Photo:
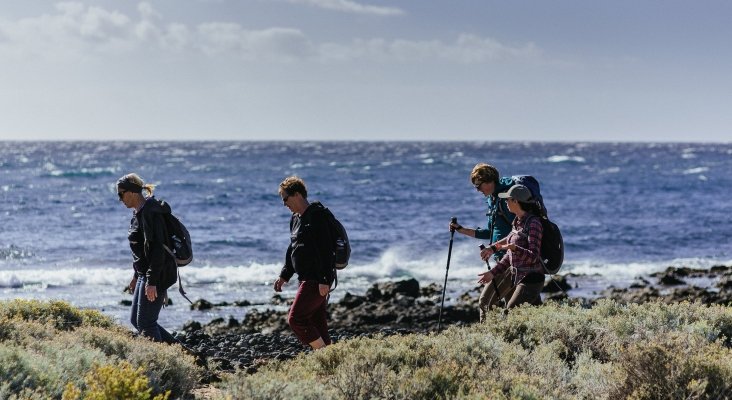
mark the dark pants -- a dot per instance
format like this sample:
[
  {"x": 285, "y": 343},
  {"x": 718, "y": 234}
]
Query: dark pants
[
  {"x": 489, "y": 298},
  {"x": 526, "y": 293},
  {"x": 144, "y": 315},
  {"x": 308, "y": 317}
]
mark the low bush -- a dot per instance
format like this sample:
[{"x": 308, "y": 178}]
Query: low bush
[
  {"x": 610, "y": 351},
  {"x": 40, "y": 358},
  {"x": 60, "y": 314},
  {"x": 120, "y": 381}
]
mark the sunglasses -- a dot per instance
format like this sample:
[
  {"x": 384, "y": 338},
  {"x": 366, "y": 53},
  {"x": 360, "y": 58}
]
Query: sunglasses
[
  {"x": 284, "y": 199},
  {"x": 121, "y": 194},
  {"x": 478, "y": 185}
]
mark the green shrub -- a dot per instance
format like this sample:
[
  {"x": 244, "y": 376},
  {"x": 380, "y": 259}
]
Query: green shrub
[
  {"x": 677, "y": 365},
  {"x": 120, "y": 381},
  {"x": 60, "y": 314},
  {"x": 39, "y": 359},
  {"x": 610, "y": 351}
]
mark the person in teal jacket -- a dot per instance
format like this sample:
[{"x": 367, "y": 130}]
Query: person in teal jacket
[{"x": 486, "y": 180}]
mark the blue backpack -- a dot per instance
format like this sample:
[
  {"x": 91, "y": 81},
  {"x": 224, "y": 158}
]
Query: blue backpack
[
  {"x": 533, "y": 185},
  {"x": 552, "y": 244}
]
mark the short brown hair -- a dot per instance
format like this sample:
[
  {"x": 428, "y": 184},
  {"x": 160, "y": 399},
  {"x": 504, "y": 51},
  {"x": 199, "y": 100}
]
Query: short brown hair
[
  {"x": 292, "y": 185},
  {"x": 484, "y": 173}
]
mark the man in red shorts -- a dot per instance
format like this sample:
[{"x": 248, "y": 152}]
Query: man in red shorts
[{"x": 310, "y": 255}]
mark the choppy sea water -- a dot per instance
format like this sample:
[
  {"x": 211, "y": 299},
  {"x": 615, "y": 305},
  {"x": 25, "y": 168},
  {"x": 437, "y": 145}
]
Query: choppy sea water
[{"x": 624, "y": 209}]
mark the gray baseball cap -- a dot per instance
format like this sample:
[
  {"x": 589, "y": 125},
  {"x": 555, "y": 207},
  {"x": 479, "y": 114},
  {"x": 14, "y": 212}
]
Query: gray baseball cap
[{"x": 518, "y": 192}]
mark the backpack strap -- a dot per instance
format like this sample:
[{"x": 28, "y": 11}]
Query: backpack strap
[
  {"x": 497, "y": 211},
  {"x": 501, "y": 213},
  {"x": 180, "y": 286},
  {"x": 525, "y": 231}
]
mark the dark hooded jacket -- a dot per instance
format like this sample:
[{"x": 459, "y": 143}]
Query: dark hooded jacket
[
  {"x": 310, "y": 253},
  {"x": 147, "y": 235}
]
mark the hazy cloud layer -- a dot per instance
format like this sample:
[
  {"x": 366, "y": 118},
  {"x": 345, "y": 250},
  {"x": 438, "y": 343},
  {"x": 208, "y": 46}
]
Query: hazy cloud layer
[
  {"x": 350, "y": 7},
  {"x": 75, "y": 29}
]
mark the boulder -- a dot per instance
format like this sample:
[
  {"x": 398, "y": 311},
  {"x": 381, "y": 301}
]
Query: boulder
[
  {"x": 201, "y": 304},
  {"x": 556, "y": 284}
]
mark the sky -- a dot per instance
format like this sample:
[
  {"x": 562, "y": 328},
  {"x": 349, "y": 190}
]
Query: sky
[{"x": 479, "y": 70}]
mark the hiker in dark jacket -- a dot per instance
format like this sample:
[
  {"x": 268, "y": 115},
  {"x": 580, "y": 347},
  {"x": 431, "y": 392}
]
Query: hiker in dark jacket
[
  {"x": 155, "y": 270},
  {"x": 486, "y": 180},
  {"x": 523, "y": 246},
  {"x": 310, "y": 255}
]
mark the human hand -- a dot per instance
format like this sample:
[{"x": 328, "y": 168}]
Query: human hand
[
  {"x": 151, "y": 292},
  {"x": 505, "y": 246},
  {"x": 131, "y": 286},
  {"x": 485, "y": 277},
  {"x": 278, "y": 284},
  {"x": 486, "y": 253},
  {"x": 324, "y": 289},
  {"x": 454, "y": 226}
]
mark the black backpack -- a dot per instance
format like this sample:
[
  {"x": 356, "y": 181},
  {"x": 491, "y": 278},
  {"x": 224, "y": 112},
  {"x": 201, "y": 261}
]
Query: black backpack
[
  {"x": 341, "y": 245},
  {"x": 179, "y": 247},
  {"x": 552, "y": 244}
]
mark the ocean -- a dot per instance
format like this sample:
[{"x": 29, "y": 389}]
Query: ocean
[{"x": 625, "y": 209}]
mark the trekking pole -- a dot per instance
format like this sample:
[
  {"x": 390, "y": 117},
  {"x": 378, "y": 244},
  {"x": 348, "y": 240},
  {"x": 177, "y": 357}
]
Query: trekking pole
[
  {"x": 493, "y": 281},
  {"x": 453, "y": 220}
]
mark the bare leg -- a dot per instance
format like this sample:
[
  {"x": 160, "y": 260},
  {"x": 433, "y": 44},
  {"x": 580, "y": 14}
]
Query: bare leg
[{"x": 317, "y": 344}]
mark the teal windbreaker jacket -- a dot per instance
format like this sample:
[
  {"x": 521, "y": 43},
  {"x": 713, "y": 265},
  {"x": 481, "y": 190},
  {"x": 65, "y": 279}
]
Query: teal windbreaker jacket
[{"x": 497, "y": 213}]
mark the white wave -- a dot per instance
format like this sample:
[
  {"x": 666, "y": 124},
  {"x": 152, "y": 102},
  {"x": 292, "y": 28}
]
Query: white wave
[
  {"x": 559, "y": 159},
  {"x": 425, "y": 266},
  {"x": 80, "y": 276},
  {"x": 631, "y": 270},
  {"x": 697, "y": 170},
  {"x": 688, "y": 154},
  {"x": 63, "y": 277},
  {"x": 395, "y": 263}
]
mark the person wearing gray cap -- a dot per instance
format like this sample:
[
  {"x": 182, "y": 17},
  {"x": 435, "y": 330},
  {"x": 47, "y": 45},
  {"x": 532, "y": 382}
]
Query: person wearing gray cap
[{"x": 522, "y": 246}]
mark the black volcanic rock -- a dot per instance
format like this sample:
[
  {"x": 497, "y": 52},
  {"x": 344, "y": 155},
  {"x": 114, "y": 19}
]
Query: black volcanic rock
[
  {"x": 556, "y": 284},
  {"x": 201, "y": 304},
  {"x": 671, "y": 280}
]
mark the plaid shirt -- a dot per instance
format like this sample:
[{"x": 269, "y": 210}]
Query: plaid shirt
[{"x": 525, "y": 259}]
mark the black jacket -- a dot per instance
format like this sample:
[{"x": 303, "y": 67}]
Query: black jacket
[
  {"x": 310, "y": 253},
  {"x": 147, "y": 235}
]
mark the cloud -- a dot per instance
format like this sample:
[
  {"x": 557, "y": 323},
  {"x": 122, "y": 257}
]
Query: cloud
[
  {"x": 74, "y": 27},
  {"x": 350, "y": 7},
  {"x": 277, "y": 44},
  {"x": 467, "y": 49},
  {"x": 76, "y": 30}
]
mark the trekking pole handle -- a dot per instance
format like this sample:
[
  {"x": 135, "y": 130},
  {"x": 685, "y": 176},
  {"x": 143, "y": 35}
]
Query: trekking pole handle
[
  {"x": 482, "y": 247},
  {"x": 453, "y": 221}
]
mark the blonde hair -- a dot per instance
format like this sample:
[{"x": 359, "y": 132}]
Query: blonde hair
[
  {"x": 134, "y": 178},
  {"x": 292, "y": 185},
  {"x": 484, "y": 173}
]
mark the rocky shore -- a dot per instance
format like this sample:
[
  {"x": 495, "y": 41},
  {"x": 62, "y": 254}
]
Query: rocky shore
[{"x": 395, "y": 308}]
